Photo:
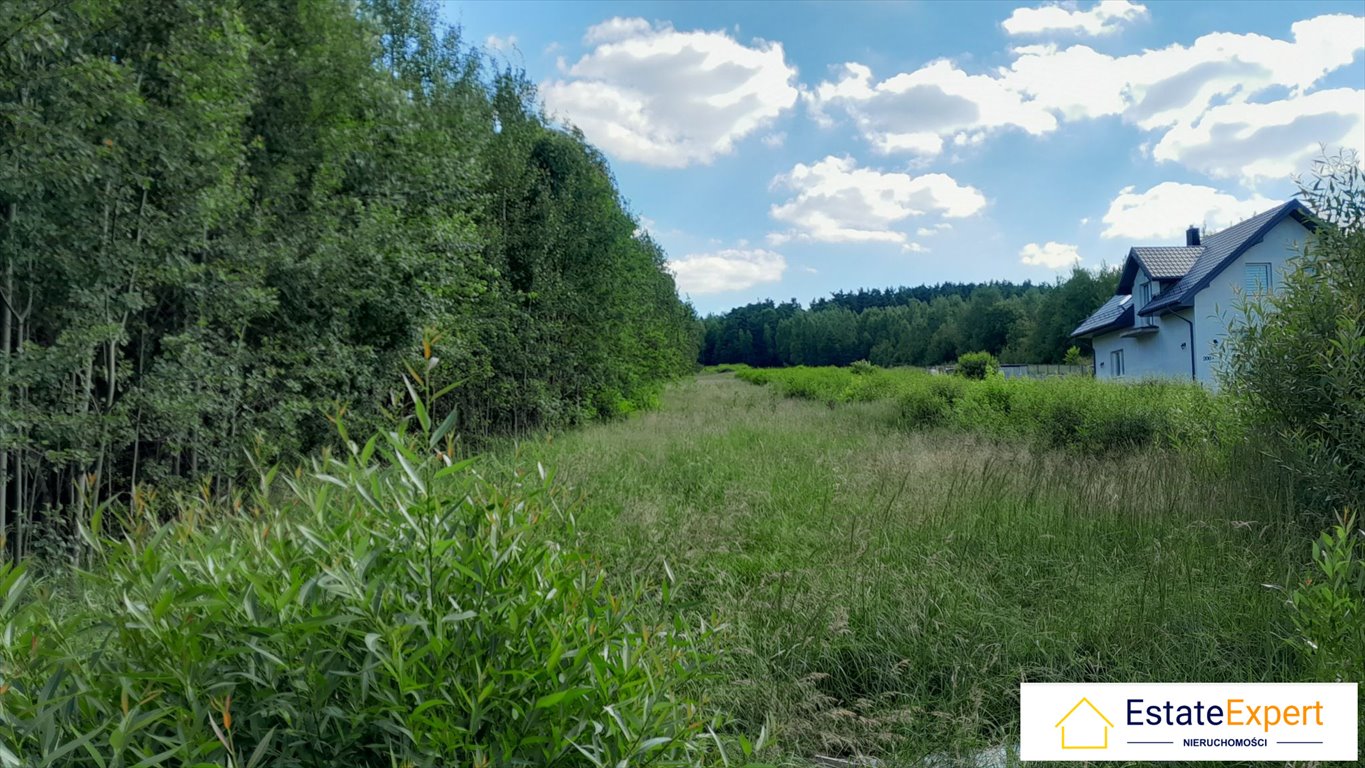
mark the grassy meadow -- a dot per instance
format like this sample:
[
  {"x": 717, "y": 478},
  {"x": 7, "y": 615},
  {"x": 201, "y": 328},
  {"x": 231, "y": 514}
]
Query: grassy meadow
[{"x": 883, "y": 589}]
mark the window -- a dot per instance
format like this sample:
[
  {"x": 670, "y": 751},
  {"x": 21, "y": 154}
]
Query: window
[
  {"x": 1256, "y": 279},
  {"x": 1145, "y": 298},
  {"x": 1116, "y": 363}
]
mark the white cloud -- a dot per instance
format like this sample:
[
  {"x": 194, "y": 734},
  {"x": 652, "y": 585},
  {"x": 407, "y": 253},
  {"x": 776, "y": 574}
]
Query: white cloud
[
  {"x": 914, "y": 112},
  {"x": 1165, "y": 210},
  {"x": 501, "y": 44},
  {"x": 835, "y": 201},
  {"x": 775, "y": 140},
  {"x": 655, "y": 95},
  {"x": 1050, "y": 254},
  {"x": 731, "y": 269},
  {"x": 1105, "y": 17},
  {"x": 1268, "y": 141},
  {"x": 1168, "y": 86},
  {"x": 1210, "y": 98}
]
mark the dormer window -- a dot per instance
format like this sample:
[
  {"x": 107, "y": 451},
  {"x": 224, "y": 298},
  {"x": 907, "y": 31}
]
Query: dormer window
[{"x": 1145, "y": 298}]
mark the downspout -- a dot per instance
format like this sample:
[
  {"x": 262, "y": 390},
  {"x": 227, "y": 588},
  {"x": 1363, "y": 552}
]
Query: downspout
[{"x": 1190, "y": 323}]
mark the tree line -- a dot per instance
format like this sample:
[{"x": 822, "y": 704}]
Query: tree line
[
  {"x": 223, "y": 222},
  {"x": 924, "y": 325}
]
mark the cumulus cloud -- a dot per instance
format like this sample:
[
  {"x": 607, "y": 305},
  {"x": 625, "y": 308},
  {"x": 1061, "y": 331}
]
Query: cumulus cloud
[
  {"x": 836, "y": 201},
  {"x": 731, "y": 269},
  {"x": 1208, "y": 101},
  {"x": 915, "y": 111},
  {"x": 1182, "y": 93},
  {"x": 652, "y": 94},
  {"x": 1105, "y": 17},
  {"x": 1270, "y": 140},
  {"x": 1050, "y": 254},
  {"x": 1165, "y": 210}
]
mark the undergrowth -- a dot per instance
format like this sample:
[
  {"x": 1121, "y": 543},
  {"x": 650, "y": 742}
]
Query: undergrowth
[{"x": 1071, "y": 412}]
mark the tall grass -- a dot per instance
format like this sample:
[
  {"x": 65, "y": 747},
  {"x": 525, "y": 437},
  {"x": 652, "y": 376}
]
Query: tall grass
[
  {"x": 386, "y": 608},
  {"x": 1069, "y": 412},
  {"x": 885, "y": 591}
]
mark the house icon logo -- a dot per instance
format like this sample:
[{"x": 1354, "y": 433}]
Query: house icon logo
[{"x": 1089, "y": 727}]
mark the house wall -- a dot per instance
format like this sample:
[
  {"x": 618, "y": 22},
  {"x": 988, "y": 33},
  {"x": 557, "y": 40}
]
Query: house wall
[
  {"x": 1154, "y": 356},
  {"x": 1215, "y": 307}
]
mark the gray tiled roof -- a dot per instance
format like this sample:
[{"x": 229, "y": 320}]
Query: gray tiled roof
[
  {"x": 1115, "y": 313},
  {"x": 1220, "y": 249},
  {"x": 1193, "y": 266},
  {"x": 1167, "y": 263}
]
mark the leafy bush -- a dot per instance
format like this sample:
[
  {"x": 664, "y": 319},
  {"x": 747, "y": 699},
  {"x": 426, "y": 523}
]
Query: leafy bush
[
  {"x": 1329, "y": 606},
  {"x": 977, "y": 365},
  {"x": 1066, "y": 412},
  {"x": 1299, "y": 359},
  {"x": 861, "y": 368},
  {"x": 389, "y": 608}
]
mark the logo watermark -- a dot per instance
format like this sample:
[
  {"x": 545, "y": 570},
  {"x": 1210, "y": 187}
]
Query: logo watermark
[{"x": 1188, "y": 721}]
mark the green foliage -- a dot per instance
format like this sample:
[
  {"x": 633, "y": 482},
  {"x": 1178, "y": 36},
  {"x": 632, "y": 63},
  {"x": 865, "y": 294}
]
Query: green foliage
[
  {"x": 977, "y": 365},
  {"x": 925, "y": 325},
  {"x": 1072, "y": 356},
  {"x": 884, "y": 590},
  {"x": 388, "y": 607},
  {"x": 220, "y": 220},
  {"x": 1329, "y": 606},
  {"x": 1298, "y": 360},
  {"x": 1073, "y": 412}
]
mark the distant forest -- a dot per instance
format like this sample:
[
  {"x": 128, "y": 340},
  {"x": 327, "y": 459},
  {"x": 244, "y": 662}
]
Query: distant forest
[
  {"x": 224, "y": 222},
  {"x": 924, "y": 325}
]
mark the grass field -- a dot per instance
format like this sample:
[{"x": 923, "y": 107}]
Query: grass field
[{"x": 884, "y": 590}]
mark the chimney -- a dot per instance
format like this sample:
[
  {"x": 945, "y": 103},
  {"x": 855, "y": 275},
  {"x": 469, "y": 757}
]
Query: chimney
[{"x": 1192, "y": 236}]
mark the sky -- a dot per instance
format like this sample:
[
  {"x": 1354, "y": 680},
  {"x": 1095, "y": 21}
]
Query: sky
[{"x": 790, "y": 150}]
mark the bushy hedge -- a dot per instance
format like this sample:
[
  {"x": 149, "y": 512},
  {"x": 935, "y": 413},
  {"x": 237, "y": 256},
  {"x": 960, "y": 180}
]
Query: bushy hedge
[
  {"x": 977, "y": 365},
  {"x": 391, "y": 608},
  {"x": 1072, "y": 412}
]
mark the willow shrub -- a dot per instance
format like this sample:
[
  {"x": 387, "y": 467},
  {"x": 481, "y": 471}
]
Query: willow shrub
[
  {"x": 1073, "y": 412},
  {"x": 391, "y": 607}
]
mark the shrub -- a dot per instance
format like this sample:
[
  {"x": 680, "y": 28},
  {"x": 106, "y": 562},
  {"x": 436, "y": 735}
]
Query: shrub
[
  {"x": 922, "y": 407},
  {"x": 977, "y": 365},
  {"x": 403, "y": 612},
  {"x": 1298, "y": 360},
  {"x": 1073, "y": 356},
  {"x": 1329, "y": 606},
  {"x": 1077, "y": 413},
  {"x": 861, "y": 368}
]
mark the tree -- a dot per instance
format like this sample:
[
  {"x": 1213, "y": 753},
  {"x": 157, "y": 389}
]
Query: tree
[{"x": 1298, "y": 358}]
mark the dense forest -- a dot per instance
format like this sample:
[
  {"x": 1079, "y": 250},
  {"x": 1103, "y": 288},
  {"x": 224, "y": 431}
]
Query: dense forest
[
  {"x": 223, "y": 222},
  {"x": 925, "y": 325}
]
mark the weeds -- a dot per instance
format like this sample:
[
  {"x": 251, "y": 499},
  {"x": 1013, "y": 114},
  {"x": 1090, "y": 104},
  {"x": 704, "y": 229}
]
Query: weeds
[
  {"x": 388, "y": 607},
  {"x": 885, "y": 590},
  {"x": 1069, "y": 412}
]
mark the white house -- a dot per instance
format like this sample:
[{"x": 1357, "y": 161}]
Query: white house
[{"x": 1173, "y": 306}]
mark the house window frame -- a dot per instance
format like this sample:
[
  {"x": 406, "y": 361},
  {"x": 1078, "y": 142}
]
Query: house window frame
[
  {"x": 1265, "y": 270},
  {"x": 1116, "y": 363},
  {"x": 1145, "y": 296}
]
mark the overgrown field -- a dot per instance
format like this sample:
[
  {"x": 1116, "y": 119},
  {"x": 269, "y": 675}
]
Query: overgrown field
[
  {"x": 885, "y": 590},
  {"x": 1070, "y": 412}
]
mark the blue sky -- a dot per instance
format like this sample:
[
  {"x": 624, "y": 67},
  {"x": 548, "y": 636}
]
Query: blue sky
[{"x": 784, "y": 150}]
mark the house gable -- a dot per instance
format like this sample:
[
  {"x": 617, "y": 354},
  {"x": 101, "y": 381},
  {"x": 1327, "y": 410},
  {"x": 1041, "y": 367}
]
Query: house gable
[{"x": 1224, "y": 248}]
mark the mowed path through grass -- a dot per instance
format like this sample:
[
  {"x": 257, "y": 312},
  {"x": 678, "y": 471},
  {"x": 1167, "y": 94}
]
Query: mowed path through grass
[{"x": 885, "y": 591}]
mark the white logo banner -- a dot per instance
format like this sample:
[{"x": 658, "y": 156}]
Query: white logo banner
[{"x": 1188, "y": 721}]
